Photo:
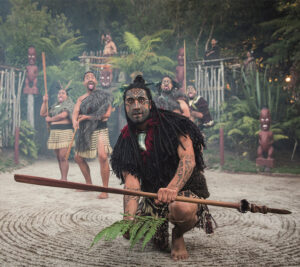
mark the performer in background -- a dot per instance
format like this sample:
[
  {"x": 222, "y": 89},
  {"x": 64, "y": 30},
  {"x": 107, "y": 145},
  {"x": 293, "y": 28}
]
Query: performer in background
[
  {"x": 159, "y": 151},
  {"x": 200, "y": 114},
  {"x": 61, "y": 129},
  {"x": 110, "y": 47},
  {"x": 90, "y": 116},
  {"x": 170, "y": 98}
]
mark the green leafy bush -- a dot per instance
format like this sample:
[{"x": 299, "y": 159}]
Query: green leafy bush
[{"x": 27, "y": 144}]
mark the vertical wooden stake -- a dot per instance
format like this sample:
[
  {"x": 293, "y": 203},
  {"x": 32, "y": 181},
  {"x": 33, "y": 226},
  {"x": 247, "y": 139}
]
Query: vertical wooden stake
[
  {"x": 184, "y": 71},
  {"x": 221, "y": 146},
  {"x": 17, "y": 134}
]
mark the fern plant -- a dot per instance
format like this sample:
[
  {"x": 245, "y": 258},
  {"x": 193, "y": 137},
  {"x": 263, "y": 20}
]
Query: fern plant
[
  {"x": 58, "y": 51},
  {"x": 141, "y": 227},
  {"x": 142, "y": 56},
  {"x": 240, "y": 119},
  {"x": 27, "y": 144}
]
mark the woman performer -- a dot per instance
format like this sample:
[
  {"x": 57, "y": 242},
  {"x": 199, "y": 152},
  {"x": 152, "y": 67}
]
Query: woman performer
[{"x": 61, "y": 129}]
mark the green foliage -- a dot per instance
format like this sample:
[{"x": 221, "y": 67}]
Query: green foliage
[
  {"x": 27, "y": 145},
  {"x": 3, "y": 116},
  {"x": 62, "y": 74},
  {"x": 240, "y": 118},
  {"x": 141, "y": 227},
  {"x": 58, "y": 51},
  {"x": 285, "y": 45},
  {"x": 142, "y": 58},
  {"x": 26, "y": 24}
]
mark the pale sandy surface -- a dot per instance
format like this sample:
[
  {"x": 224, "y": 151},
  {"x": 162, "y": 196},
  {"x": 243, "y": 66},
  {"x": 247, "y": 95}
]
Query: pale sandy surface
[{"x": 43, "y": 226}]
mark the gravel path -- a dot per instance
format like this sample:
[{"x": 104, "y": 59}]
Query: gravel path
[{"x": 43, "y": 226}]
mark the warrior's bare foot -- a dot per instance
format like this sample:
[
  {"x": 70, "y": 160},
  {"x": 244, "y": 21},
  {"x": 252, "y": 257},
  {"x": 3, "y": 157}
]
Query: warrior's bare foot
[
  {"x": 63, "y": 179},
  {"x": 178, "y": 251},
  {"x": 102, "y": 196}
]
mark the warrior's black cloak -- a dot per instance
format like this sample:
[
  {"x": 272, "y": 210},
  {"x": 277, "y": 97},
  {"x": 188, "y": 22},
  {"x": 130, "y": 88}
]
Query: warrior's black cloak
[{"x": 156, "y": 166}]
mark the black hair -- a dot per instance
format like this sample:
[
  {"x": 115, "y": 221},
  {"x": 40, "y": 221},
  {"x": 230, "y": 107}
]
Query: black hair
[
  {"x": 176, "y": 85},
  {"x": 168, "y": 124},
  {"x": 89, "y": 71},
  {"x": 138, "y": 82}
]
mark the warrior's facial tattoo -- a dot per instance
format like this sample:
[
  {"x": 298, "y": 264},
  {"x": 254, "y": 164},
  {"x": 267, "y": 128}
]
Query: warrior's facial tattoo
[
  {"x": 265, "y": 119},
  {"x": 90, "y": 81},
  {"x": 166, "y": 85},
  {"x": 137, "y": 105},
  {"x": 191, "y": 92},
  {"x": 31, "y": 55},
  {"x": 62, "y": 96}
]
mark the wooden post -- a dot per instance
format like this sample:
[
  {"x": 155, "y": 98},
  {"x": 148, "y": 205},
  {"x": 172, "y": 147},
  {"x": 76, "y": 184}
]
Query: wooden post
[
  {"x": 184, "y": 70},
  {"x": 30, "y": 109},
  {"x": 221, "y": 147},
  {"x": 16, "y": 154}
]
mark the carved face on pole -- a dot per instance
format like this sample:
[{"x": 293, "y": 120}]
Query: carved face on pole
[
  {"x": 106, "y": 78},
  {"x": 137, "y": 105},
  {"x": 62, "y": 96},
  {"x": 265, "y": 119},
  {"x": 90, "y": 81},
  {"x": 166, "y": 85},
  {"x": 191, "y": 92},
  {"x": 180, "y": 57},
  {"x": 31, "y": 56}
]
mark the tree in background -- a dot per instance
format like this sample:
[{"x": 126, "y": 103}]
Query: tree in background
[{"x": 143, "y": 58}]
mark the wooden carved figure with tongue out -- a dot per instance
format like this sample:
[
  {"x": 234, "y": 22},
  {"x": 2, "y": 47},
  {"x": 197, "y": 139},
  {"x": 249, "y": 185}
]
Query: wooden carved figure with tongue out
[{"x": 265, "y": 149}]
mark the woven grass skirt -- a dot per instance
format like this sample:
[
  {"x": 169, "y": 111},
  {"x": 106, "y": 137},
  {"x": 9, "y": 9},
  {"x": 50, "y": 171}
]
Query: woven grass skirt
[
  {"x": 92, "y": 152},
  {"x": 59, "y": 138}
]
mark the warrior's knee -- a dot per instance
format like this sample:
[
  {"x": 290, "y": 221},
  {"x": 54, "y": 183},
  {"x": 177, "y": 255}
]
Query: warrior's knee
[
  {"x": 102, "y": 157},
  {"x": 182, "y": 212},
  {"x": 62, "y": 158},
  {"x": 78, "y": 159}
]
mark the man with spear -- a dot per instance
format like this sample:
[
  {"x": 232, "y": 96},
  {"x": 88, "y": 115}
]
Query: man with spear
[{"x": 159, "y": 152}]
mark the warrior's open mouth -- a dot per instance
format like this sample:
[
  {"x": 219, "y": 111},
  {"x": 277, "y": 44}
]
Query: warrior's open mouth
[{"x": 91, "y": 85}]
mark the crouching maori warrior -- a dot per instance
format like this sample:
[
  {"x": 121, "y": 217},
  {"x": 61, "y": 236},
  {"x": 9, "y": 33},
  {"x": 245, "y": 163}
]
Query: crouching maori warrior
[
  {"x": 90, "y": 116},
  {"x": 159, "y": 151},
  {"x": 61, "y": 129}
]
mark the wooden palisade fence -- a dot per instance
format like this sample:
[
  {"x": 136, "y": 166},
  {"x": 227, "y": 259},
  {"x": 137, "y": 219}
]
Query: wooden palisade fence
[{"x": 11, "y": 83}]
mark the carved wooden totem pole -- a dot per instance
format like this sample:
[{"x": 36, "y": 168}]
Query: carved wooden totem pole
[
  {"x": 265, "y": 149},
  {"x": 180, "y": 69},
  {"x": 31, "y": 84}
]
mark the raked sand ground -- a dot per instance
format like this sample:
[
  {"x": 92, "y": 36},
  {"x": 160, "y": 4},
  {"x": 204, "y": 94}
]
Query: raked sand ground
[{"x": 44, "y": 226}]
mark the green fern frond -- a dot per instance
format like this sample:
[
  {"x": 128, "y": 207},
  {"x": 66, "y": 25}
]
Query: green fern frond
[
  {"x": 132, "y": 42},
  {"x": 141, "y": 227},
  {"x": 152, "y": 230}
]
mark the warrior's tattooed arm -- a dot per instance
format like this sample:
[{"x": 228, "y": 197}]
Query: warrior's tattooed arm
[
  {"x": 131, "y": 202},
  {"x": 184, "y": 170}
]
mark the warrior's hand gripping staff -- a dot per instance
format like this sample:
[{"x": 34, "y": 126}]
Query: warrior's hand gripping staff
[{"x": 243, "y": 206}]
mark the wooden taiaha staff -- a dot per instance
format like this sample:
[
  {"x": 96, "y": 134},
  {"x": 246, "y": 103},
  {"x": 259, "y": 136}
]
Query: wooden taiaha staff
[
  {"x": 70, "y": 145},
  {"x": 243, "y": 206},
  {"x": 45, "y": 78}
]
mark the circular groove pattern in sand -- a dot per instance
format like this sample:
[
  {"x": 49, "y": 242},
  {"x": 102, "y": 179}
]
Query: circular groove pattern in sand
[{"x": 39, "y": 237}]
